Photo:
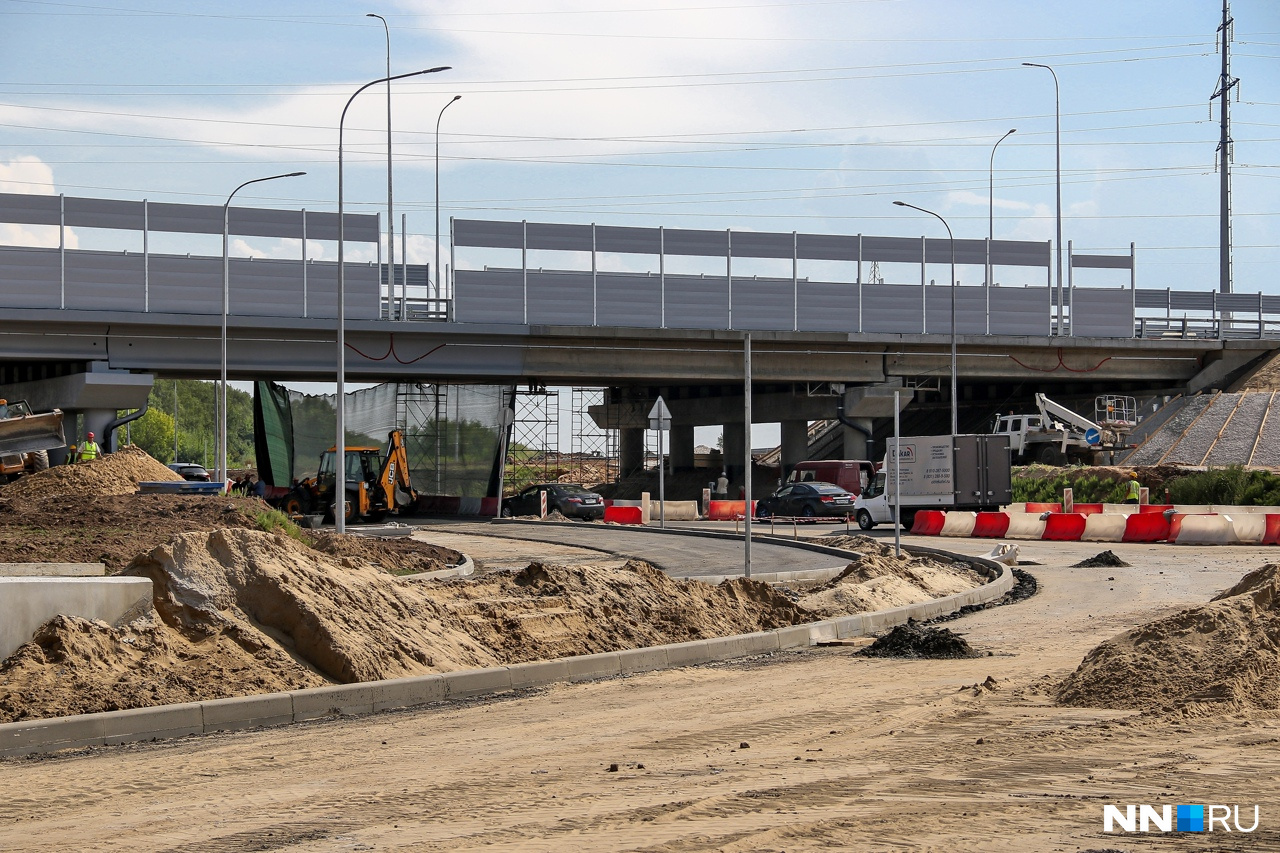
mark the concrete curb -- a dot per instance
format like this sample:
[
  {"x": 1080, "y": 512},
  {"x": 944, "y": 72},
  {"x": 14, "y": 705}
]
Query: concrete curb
[{"x": 273, "y": 709}]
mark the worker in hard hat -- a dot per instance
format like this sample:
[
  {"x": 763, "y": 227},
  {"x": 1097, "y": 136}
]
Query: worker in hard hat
[
  {"x": 1135, "y": 490},
  {"x": 89, "y": 449}
]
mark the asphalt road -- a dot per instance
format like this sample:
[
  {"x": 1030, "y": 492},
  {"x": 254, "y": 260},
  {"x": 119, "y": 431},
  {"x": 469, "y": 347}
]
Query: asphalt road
[{"x": 678, "y": 555}]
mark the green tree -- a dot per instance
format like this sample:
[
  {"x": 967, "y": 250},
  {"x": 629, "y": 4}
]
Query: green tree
[
  {"x": 196, "y": 423},
  {"x": 153, "y": 432}
]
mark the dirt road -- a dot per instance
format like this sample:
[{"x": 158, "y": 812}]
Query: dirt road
[{"x": 803, "y": 751}]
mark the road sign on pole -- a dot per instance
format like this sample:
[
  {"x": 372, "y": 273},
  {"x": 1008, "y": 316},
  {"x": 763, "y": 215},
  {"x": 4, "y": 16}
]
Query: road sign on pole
[{"x": 660, "y": 420}]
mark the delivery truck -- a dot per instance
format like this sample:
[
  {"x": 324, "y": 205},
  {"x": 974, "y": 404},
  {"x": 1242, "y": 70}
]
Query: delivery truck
[{"x": 945, "y": 472}]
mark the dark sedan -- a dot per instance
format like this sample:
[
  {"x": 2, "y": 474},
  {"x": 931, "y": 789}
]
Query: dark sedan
[
  {"x": 190, "y": 471},
  {"x": 572, "y": 501},
  {"x": 807, "y": 500}
]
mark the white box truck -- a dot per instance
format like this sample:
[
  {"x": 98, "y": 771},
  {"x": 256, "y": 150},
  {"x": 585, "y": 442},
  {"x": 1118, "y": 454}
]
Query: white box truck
[{"x": 961, "y": 472}]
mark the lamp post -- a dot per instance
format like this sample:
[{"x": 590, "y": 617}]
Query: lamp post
[
  {"x": 991, "y": 203},
  {"x": 1057, "y": 146},
  {"x": 391, "y": 219},
  {"x": 340, "y": 466},
  {"x": 226, "y": 308},
  {"x": 456, "y": 98},
  {"x": 955, "y": 412}
]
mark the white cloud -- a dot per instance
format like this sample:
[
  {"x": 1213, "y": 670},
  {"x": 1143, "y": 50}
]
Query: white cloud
[{"x": 30, "y": 176}]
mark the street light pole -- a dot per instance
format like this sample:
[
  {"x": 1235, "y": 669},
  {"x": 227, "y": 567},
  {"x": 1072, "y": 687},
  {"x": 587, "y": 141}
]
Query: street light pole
[
  {"x": 955, "y": 411},
  {"x": 439, "y": 281},
  {"x": 226, "y": 309},
  {"x": 391, "y": 219},
  {"x": 991, "y": 189},
  {"x": 339, "y": 446},
  {"x": 1057, "y": 147}
]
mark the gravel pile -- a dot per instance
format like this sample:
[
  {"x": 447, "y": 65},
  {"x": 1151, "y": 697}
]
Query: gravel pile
[
  {"x": 1268, "y": 452},
  {"x": 1200, "y": 435},
  {"x": 913, "y": 640},
  {"x": 1158, "y": 445},
  {"x": 1236, "y": 442},
  {"x": 1107, "y": 559}
]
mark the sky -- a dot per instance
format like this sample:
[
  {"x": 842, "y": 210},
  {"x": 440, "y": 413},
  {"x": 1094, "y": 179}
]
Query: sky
[{"x": 787, "y": 116}]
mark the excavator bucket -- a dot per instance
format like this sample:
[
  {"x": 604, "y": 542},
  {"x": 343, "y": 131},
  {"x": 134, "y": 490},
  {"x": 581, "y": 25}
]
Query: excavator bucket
[{"x": 28, "y": 433}]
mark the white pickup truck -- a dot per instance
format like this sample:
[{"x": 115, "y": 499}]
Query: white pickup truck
[
  {"x": 1056, "y": 435},
  {"x": 961, "y": 472}
]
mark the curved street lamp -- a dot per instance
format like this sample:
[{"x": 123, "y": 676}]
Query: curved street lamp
[
  {"x": 991, "y": 187},
  {"x": 439, "y": 281},
  {"x": 955, "y": 415},
  {"x": 391, "y": 219},
  {"x": 340, "y": 460},
  {"x": 1057, "y": 147},
  {"x": 226, "y": 308}
]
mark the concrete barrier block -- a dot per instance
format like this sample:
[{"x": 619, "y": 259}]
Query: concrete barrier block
[
  {"x": 26, "y": 603},
  {"x": 594, "y": 667},
  {"x": 407, "y": 692},
  {"x": 53, "y": 570},
  {"x": 538, "y": 673},
  {"x": 327, "y": 701},
  {"x": 164, "y": 721},
  {"x": 676, "y": 510},
  {"x": 55, "y": 733},
  {"x": 1104, "y": 527},
  {"x": 476, "y": 682},
  {"x": 631, "y": 661},
  {"x": 793, "y": 636},
  {"x": 689, "y": 654},
  {"x": 850, "y": 626},
  {"x": 246, "y": 712}
]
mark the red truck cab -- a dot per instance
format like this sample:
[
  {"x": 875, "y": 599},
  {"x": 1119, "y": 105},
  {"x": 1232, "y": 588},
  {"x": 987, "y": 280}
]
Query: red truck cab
[{"x": 852, "y": 475}]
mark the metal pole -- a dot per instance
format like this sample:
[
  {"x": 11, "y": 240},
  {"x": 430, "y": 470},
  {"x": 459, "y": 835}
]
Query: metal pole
[
  {"x": 955, "y": 411},
  {"x": 746, "y": 430},
  {"x": 897, "y": 479},
  {"x": 175, "y": 420},
  {"x": 662, "y": 481},
  {"x": 991, "y": 209},
  {"x": 339, "y": 444},
  {"x": 226, "y": 306},
  {"x": 1057, "y": 148},
  {"x": 440, "y": 116},
  {"x": 1225, "y": 84},
  {"x": 391, "y": 218},
  {"x": 505, "y": 418}
]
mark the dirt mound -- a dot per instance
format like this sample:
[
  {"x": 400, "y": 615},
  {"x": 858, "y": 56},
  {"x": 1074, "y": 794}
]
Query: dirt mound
[
  {"x": 1107, "y": 559},
  {"x": 243, "y": 612},
  {"x": 1222, "y": 656},
  {"x": 878, "y": 580},
  {"x": 111, "y": 474},
  {"x": 861, "y": 543},
  {"x": 913, "y": 640}
]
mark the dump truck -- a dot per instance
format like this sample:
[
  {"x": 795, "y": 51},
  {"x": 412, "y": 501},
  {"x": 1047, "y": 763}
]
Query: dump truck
[
  {"x": 1056, "y": 435},
  {"x": 26, "y": 439},
  {"x": 377, "y": 484},
  {"x": 945, "y": 472}
]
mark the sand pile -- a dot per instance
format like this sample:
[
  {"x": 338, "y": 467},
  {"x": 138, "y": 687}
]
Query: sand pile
[
  {"x": 112, "y": 474},
  {"x": 878, "y": 580},
  {"x": 243, "y": 612},
  {"x": 1223, "y": 656}
]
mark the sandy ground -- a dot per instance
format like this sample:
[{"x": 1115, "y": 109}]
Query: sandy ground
[{"x": 811, "y": 750}]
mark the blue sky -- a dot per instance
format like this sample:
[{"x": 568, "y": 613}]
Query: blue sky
[{"x": 809, "y": 116}]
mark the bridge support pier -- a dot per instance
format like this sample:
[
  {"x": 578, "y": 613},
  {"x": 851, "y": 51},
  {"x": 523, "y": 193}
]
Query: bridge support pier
[
  {"x": 681, "y": 447},
  {"x": 735, "y": 448},
  {"x": 795, "y": 444},
  {"x": 630, "y": 450}
]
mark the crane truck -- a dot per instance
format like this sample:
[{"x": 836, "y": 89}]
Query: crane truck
[{"x": 1056, "y": 435}]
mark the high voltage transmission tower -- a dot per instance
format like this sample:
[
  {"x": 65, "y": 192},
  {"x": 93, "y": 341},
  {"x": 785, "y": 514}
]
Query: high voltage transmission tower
[{"x": 1225, "y": 84}]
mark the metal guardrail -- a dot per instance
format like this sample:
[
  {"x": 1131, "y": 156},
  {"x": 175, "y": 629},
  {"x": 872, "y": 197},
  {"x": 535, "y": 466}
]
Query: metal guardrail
[{"x": 1206, "y": 328}]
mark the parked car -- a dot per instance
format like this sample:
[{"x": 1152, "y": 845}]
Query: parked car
[
  {"x": 573, "y": 501},
  {"x": 190, "y": 471},
  {"x": 807, "y": 500}
]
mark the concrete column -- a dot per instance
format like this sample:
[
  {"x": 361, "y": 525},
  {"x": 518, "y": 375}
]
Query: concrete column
[
  {"x": 855, "y": 443},
  {"x": 630, "y": 450},
  {"x": 735, "y": 448},
  {"x": 681, "y": 448},
  {"x": 795, "y": 444}
]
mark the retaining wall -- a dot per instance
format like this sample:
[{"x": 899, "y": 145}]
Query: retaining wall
[{"x": 26, "y": 603}]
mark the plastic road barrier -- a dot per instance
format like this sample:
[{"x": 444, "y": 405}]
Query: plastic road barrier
[
  {"x": 929, "y": 522},
  {"x": 1064, "y": 526},
  {"x": 1037, "y": 508},
  {"x": 1025, "y": 526},
  {"x": 624, "y": 514},
  {"x": 1206, "y": 530},
  {"x": 1103, "y": 527},
  {"x": 1146, "y": 527},
  {"x": 991, "y": 525},
  {"x": 728, "y": 510},
  {"x": 958, "y": 524}
]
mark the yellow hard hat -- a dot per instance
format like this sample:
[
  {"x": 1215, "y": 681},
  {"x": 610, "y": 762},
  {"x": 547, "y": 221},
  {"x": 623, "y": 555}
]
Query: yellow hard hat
[{"x": 1133, "y": 475}]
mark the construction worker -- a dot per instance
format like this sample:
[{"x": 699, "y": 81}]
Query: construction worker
[
  {"x": 1135, "y": 490},
  {"x": 4, "y": 408},
  {"x": 722, "y": 486},
  {"x": 73, "y": 456},
  {"x": 89, "y": 449}
]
